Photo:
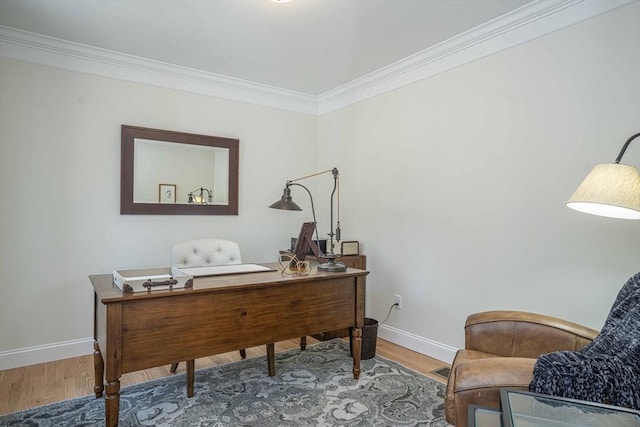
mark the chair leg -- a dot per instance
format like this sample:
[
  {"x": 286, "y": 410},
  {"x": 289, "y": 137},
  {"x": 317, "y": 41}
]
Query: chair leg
[
  {"x": 174, "y": 366},
  {"x": 303, "y": 342}
]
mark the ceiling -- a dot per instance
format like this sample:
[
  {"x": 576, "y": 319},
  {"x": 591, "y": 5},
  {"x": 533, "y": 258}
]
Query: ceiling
[{"x": 309, "y": 46}]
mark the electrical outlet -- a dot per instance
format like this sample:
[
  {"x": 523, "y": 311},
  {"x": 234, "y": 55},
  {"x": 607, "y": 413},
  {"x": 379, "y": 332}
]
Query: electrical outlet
[{"x": 398, "y": 300}]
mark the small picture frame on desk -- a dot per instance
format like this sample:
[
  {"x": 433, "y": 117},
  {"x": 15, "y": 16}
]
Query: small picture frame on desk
[
  {"x": 349, "y": 247},
  {"x": 167, "y": 193}
]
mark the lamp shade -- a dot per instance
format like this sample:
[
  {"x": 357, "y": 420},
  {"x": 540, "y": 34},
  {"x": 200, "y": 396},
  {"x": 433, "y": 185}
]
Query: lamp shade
[
  {"x": 611, "y": 190},
  {"x": 286, "y": 203}
]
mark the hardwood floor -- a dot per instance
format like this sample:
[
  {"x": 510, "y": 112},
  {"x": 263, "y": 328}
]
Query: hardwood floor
[{"x": 37, "y": 385}]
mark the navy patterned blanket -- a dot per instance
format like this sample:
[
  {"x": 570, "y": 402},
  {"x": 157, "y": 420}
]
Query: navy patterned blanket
[{"x": 606, "y": 370}]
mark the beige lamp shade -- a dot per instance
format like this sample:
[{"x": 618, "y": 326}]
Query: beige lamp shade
[{"x": 611, "y": 190}]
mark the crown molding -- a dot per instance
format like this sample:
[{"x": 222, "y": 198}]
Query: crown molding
[
  {"x": 528, "y": 22},
  {"x": 54, "y": 52}
]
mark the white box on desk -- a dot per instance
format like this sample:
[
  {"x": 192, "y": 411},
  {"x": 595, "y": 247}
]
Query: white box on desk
[{"x": 151, "y": 279}]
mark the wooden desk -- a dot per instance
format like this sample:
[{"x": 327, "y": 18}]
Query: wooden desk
[
  {"x": 219, "y": 314},
  {"x": 352, "y": 261}
]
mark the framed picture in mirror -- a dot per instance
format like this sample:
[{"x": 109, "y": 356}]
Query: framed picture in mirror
[{"x": 166, "y": 193}]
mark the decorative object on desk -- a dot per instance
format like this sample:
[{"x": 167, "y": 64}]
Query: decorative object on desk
[
  {"x": 293, "y": 265},
  {"x": 149, "y": 279},
  {"x": 610, "y": 189},
  {"x": 166, "y": 193},
  {"x": 321, "y": 243},
  {"x": 350, "y": 247},
  {"x": 313, "y": 387},
  {"x": 286, "y": 203},
  {"x": 304, "y": 242},
  {"x": 199, "y": 198}
]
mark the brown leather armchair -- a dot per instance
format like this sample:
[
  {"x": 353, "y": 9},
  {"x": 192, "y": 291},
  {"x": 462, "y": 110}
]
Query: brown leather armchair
[{"x": 501, "y": 348}]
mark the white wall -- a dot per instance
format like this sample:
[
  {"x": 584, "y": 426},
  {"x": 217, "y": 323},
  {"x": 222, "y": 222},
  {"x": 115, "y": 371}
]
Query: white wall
[
  {"x": 60, "y": 194},
  {"x": 456, "y": 185}
]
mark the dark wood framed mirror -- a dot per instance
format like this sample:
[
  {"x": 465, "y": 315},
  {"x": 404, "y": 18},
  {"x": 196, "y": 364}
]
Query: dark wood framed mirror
[{"x": 176, "y": 173}]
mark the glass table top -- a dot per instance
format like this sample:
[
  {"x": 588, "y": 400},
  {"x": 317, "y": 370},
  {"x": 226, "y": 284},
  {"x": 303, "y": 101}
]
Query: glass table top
[
  {"x": 526, "y": 409},
  {"x": 484, "y": 417}
]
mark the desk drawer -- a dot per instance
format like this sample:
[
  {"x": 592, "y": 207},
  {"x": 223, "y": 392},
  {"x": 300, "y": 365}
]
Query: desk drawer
[{"x": 193, "y": 325}]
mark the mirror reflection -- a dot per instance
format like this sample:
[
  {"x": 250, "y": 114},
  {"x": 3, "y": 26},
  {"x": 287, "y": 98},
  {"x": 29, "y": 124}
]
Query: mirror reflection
[{"x": 169, "y": 172}]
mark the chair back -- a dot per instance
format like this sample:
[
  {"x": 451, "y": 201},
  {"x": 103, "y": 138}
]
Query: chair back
[{"x": 205, "y": 252}]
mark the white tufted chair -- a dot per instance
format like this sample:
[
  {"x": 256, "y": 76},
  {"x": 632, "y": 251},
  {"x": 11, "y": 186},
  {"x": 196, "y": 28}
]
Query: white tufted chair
[{"x": 204, "y": 253}]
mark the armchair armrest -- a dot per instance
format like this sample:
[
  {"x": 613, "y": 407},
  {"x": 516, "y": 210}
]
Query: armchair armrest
[
  {"x": 522, "y": 334},
  {"x": 495, "y": 372},
  {"x": 478, "y": 382}
]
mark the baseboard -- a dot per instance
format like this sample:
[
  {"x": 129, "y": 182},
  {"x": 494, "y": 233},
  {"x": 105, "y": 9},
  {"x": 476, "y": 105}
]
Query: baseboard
[
  {"x": 63, "y": 350},
  {"x": 416, "y": 343},
  {"x": 45, "y": 353}
]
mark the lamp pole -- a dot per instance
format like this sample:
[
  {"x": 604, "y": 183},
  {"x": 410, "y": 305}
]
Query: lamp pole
[{"x": 624, "y": 147}]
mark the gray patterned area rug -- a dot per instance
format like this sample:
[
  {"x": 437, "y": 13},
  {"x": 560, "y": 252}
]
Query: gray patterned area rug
[{"x": 314, "y": 387}]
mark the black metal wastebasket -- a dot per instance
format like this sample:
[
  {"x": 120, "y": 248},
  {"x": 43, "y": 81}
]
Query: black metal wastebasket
[{"x": 369, "y": 338}]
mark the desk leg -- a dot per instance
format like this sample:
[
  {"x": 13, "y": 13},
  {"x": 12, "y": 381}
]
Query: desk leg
[
  {"x": 271, "y": 359},
  {"x": 98, "y": 367},
  {"x": 357, "y": 351},
  {"x": 112, "y": 403},
  {"x": 190, "y": 377}
]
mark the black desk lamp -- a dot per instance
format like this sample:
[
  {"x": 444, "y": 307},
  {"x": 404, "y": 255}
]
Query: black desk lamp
[
  {"x": 200, "y": 199},
  {"x": 610, "y": 189},
  {"x": 287, "y": 203}
]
